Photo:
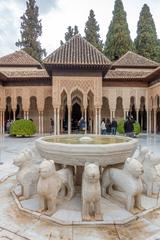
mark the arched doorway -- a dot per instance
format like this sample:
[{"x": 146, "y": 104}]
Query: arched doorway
[
  {"x": 48, "y": 113},
  {"x": 64, "y": 112},
  {"x": 77, "y": 109},
  {"x": 33, "y": 111},
  {"x": 19, "y": 109},
  {"x": 119, "y": 113},
  {"x": 76, "y": 116},
  {"x": 90, "y": 112},
  {"x": 8, "y": 113},
  {"x": 132, "y": 109},
  {"x": 143, "y": 114},
  {"x": 105, "y": 109}
]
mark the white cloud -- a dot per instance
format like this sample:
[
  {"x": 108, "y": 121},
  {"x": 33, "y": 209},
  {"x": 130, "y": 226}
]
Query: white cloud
[{"x": 57, "y": 15}]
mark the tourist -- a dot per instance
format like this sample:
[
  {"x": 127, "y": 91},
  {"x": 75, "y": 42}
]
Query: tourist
[
  {"x": 108, "y": 126},
  {"x": 128, "y": 127},
  {"x": 82, "y": 124},
  {"x": 8, "y": 124},
  {"x": 103, "y": 127},
  {"x": 114, "y": 127},
  {"x": 52, "y": 125}
]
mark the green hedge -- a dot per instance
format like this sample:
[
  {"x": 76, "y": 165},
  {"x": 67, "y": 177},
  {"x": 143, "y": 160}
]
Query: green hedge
[
  {"x": 23, "y": 128},
  {"x": 136, "y": 125}
]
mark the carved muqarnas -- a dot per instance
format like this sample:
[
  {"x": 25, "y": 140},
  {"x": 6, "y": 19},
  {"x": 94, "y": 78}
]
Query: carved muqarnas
[
  {"x": 49, "y": 185},
  {"x": 28, "y": 174},
  {"x": 91, "y": 193},
  {"x": 124, "y": 184}
]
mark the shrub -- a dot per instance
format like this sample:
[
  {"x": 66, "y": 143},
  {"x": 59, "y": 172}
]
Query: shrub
[
  {"x": 137, "y": 128},
  {"x": 22, "y": 128},
  {"x": 136, "y": 125},
  {"x": 120, "y": 127}
]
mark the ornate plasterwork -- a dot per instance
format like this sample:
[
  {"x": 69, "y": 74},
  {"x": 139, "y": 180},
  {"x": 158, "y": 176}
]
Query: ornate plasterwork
[{"x": 71, "y": 83}]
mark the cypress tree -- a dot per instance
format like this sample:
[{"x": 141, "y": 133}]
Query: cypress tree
[
  {"x": 92, "y": 31},
  {"x": 31, "y": 30},
  {"x": 70, "y": 33},
  {"x": 146, "y": 42},
  {"x": 118, "y": 40}
]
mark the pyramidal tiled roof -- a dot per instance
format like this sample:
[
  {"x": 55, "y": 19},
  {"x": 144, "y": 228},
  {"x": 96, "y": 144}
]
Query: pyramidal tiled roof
[
  {"x": 20, "y": 58},
  {"x": 131, "y": 59},
  {"x": 77, "y": 51}
]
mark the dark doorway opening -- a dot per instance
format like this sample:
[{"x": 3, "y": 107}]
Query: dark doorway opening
[{"x": 76, "y": 116}]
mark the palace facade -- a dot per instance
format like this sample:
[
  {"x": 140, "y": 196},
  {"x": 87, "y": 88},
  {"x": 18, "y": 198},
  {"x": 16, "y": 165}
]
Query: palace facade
[{"x": 75, "y": 80}]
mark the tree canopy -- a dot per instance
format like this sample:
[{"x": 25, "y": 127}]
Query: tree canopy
[
  {"x": 118, "y": 40},
  {"x": 31, "y": 30},
  {"x": 146, "y": 42},
  {"x": 92, "y": 31}
]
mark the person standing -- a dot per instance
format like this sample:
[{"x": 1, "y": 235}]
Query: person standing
[
  {"x": 114, "y": 127},
  {"x": 82, "y": 125},
  {"x": 108, "y": 126},
  {"x": 103, "y": 127},
  {"x": 128, "y": 127},
  {"x": 52, "y": 125}
]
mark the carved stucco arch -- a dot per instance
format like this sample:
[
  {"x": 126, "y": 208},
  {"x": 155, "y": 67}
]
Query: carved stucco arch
[{"x": 77, "y": 92}]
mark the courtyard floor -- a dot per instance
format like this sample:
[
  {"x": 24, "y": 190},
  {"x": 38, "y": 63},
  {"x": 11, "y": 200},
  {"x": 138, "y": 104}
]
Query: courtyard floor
[{"x": 15, "y": 225}]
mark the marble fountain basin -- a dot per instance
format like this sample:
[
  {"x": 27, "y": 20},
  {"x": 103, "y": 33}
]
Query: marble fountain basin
[{"x": 78, "y": 149}]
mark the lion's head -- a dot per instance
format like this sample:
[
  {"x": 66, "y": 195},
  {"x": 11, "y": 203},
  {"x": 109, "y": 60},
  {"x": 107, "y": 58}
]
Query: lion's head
[
  {"x": 47, "y": 168},
  {"x": 24, "y": 157},
  {"x": 91, "y": 172},
  {"x": 134, "y": 167}
]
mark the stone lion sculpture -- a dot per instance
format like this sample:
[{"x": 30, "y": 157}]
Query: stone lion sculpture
[
  {"x": 151, "y": 175},
  {"x": 48, "y": 187},
  {"x": 125, "y": 184},
  {"x": 142, "y": 154},
  {"x": 27, "y": 176},
  {"x": 67, "y": 177},
  {"x": 91, "y": 193}
]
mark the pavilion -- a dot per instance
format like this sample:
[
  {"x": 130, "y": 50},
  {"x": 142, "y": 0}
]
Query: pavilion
[{"x": 75, "y": 80}]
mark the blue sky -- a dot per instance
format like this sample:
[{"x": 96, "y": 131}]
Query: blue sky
[{"x": 57, "y": 15}]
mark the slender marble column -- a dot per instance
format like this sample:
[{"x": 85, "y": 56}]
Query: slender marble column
[
  {"x": 14, "y": 114},
  {"x": 69, "y": 120},
  {"x": 85, "y": 117},
  {"x": 1, "y": 126},
  {"x": 3, "y": 122},
  {"x": 39, "y": 122},
  {"x": 42, "y": 116},
  {"x": 147, "y": 121},
  {"x": 99, "y": 121},
  {"x": 96, "y": 116},
  {"x": 55, "y": 121},
  {"x": 155, "y": 121},
  {"x": 58, "y": 122}
]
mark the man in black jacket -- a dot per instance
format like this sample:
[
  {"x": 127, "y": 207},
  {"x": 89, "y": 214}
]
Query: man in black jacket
[{"x": 128, "y": 127}]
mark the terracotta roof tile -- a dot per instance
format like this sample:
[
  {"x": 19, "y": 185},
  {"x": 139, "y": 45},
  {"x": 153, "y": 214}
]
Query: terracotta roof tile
[
  {"x": 77, "y": 51},
  {"x": 118, "y": 74},
  {"x": 20, "y": 58},
  {"x": 39, "y": 73},
  {"x": 131, "y": 59}
]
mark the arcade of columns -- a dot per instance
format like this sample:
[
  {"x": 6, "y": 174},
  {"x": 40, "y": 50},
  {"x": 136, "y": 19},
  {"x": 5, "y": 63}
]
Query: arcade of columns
[{"x": 42, "y": 103}]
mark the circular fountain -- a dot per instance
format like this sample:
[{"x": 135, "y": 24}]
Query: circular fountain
[
  {"x": 87, "y": 188},
  {"x": 76, "y": 150}
]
